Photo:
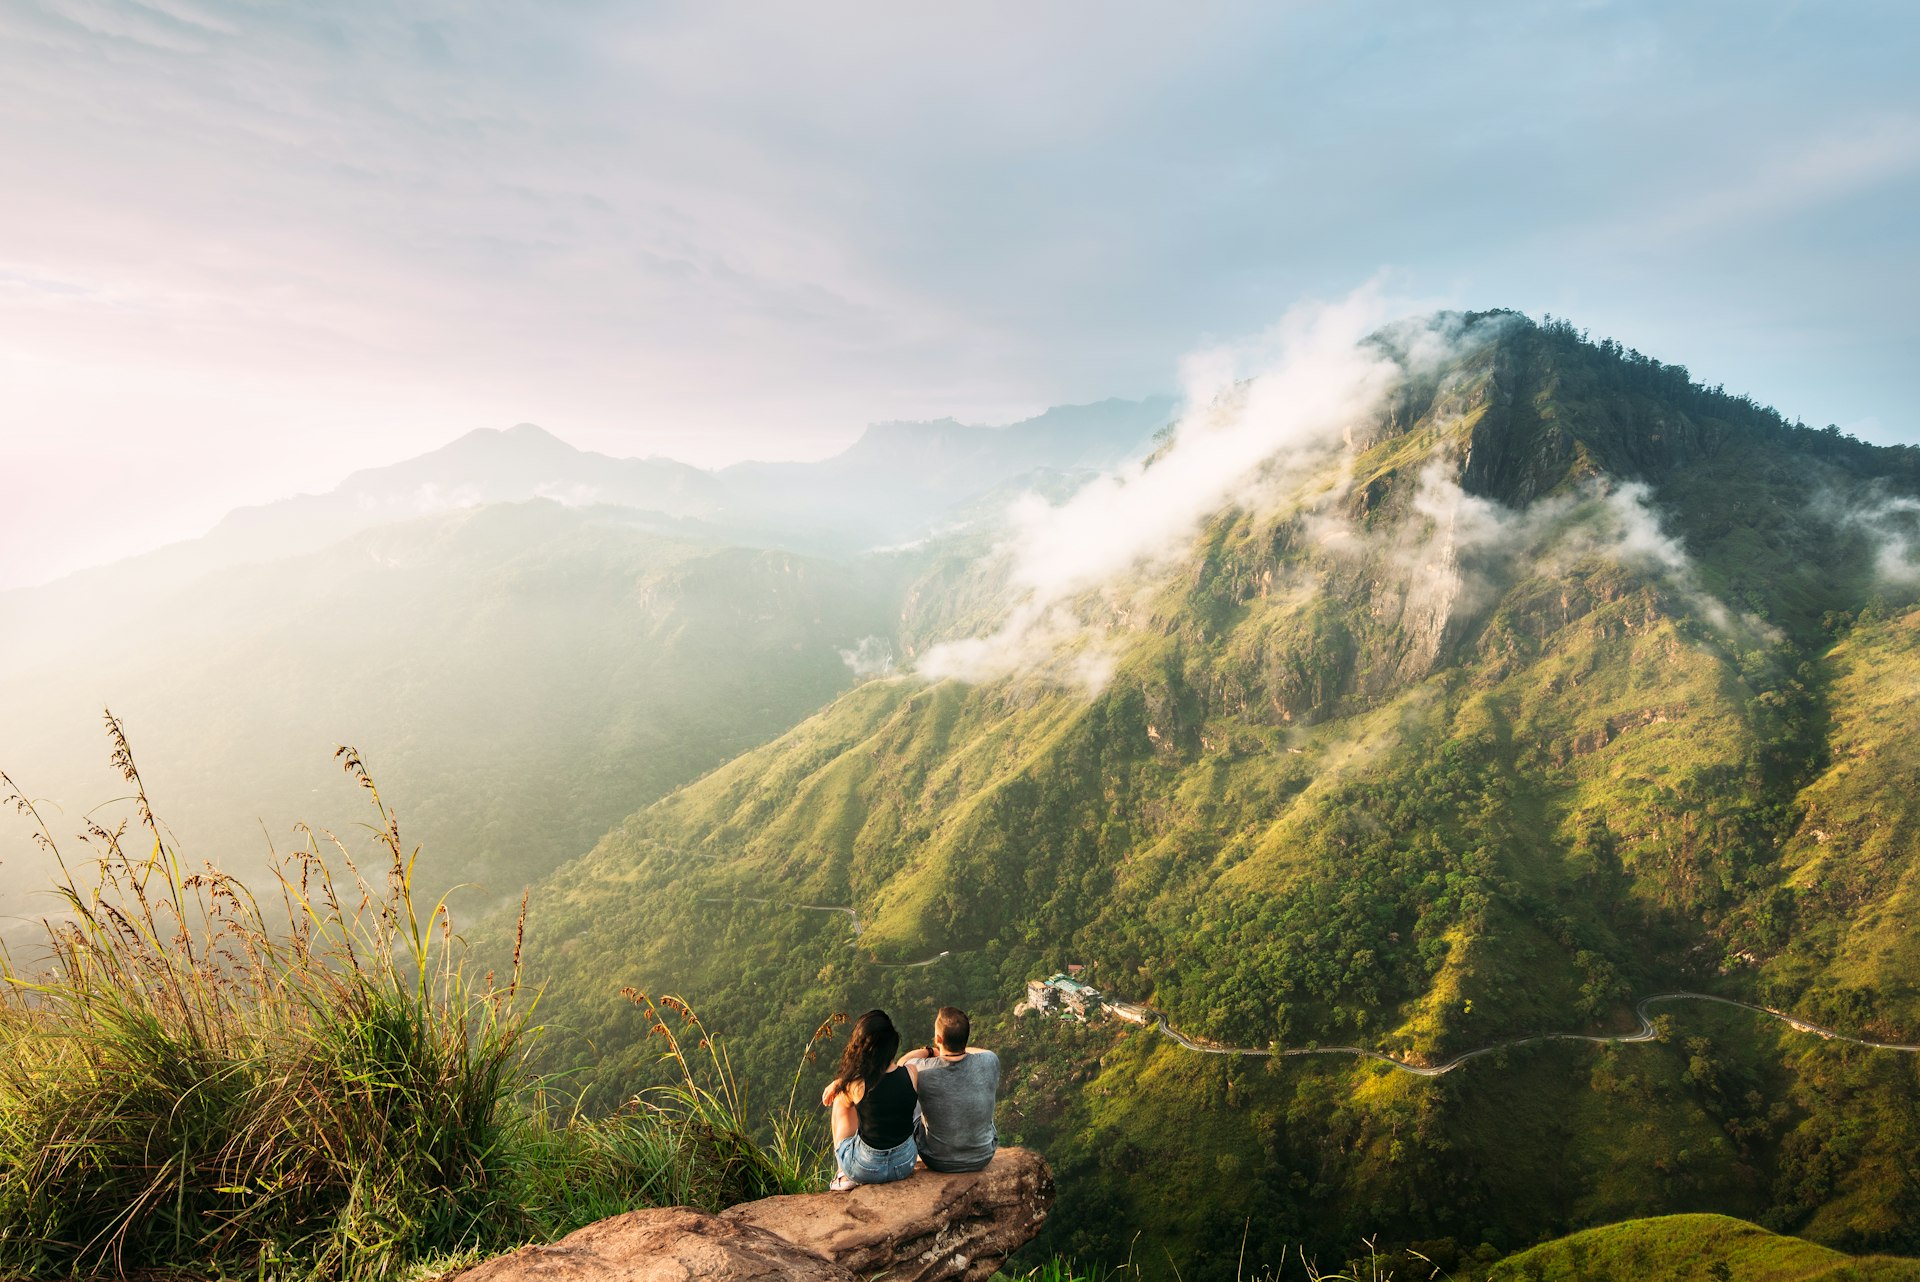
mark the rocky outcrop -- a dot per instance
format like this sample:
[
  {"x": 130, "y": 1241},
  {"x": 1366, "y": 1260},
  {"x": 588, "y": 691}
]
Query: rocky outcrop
[
  {"x": 928, "y": 1228},
  {"x": 673, "y": 1244}
]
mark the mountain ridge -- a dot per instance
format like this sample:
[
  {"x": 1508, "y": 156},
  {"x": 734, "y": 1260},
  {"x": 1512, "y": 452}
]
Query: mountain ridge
[{"x": 490, "y": 466}]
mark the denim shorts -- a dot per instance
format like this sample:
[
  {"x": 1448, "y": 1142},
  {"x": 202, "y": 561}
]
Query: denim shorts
[{"x": 869, "y": 1165}]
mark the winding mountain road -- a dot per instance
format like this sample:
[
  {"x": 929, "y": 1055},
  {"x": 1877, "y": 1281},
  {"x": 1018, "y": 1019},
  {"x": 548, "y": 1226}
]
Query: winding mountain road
[
  {"x": 1645, "y": 1033},
  {"x": 852, "y": 916}
]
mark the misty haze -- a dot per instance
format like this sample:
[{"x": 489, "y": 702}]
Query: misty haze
[{"x": 995, "y": 646}]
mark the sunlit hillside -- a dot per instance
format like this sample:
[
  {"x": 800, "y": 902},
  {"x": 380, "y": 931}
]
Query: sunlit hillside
[{"x": 1503, "y": 711}]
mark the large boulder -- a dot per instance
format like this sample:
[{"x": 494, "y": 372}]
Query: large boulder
[
  {"x": 927, "y": 1228},
  {"x": 672, "y": 1244}
]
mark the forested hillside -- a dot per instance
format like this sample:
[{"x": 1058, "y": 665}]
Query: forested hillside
[
  {"x": 521, "y": 675},
  {"x": 1554, "y": 681}
]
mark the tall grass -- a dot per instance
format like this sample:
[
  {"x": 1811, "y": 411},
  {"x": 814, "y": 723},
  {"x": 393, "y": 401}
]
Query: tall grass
[
  {"x": 709, "y": 1100},
  {"x": 316, "y": 1089}
]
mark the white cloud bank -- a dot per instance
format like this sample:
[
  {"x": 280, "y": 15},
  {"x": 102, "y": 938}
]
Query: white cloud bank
[
  {"x": 1473, "y": 543},
  {"x": 869, "y": 657},
  {"x": 1258, "y": 413},
  {"x": 1893, "y": 525}
]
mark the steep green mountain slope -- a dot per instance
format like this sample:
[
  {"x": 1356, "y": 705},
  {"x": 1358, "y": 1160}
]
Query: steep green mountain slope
[
  {"x": 1851, "y": 943},
  {"x": 519, "y": 676},
  {"x": 1518, "y": 707}
]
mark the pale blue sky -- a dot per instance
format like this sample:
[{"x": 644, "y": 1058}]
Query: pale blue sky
[{"x": 246, "y": 247}]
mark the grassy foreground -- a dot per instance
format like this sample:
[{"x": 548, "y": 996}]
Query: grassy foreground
[
  {"x": 1706, "y": 1247},
  {"x": 1667, "y": 1248},
  {"x": 316, "y": 1087}
]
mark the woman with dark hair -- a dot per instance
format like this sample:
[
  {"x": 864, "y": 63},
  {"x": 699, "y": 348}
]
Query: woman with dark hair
[{"x": 872, "y": 1099}]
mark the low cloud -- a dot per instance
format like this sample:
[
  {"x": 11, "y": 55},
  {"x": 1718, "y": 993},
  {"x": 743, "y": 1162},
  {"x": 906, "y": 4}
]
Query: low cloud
[
  {"x": 1048, "y": 640},
  {"x": 1269, "y": 426},
  {"x": 870, "y": 657},
  {"x": 1893, "y": 527},
  {"x": 1261, "y": 416},
  {"x": 1470, "y": 545},
  {"x": 1254, "y": 409},
  {"x": 577, "y": 494},
  {"x": 1628, "y": 530}
]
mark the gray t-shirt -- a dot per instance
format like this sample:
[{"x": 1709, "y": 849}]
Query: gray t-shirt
[{"x": 956, "y": 1109}]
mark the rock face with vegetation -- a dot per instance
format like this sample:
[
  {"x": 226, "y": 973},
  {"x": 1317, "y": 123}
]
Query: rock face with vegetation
[
  {"x": 928, "y": 1228},
  {"x": 1556, "y": 682}
]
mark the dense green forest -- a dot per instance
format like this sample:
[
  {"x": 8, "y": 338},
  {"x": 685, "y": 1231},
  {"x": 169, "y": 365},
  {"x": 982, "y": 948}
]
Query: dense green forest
[{"x": 1569, "y": 681}]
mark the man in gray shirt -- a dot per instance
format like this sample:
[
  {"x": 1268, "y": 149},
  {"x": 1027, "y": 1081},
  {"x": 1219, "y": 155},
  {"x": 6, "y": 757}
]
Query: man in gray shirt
[{"x": 957, "y": 1085}]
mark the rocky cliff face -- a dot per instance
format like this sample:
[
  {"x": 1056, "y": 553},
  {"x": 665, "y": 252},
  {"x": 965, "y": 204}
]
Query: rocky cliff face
[{"x": 928, "y": 1228}]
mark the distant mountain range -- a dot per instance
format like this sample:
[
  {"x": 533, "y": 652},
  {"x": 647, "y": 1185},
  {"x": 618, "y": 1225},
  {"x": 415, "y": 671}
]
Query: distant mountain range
[
  {"x": 897, "y": 482},
  {"x": 484, "y": 466},
  {"x": 526, "y": 639},
  {"x": 901, "y": 480}
]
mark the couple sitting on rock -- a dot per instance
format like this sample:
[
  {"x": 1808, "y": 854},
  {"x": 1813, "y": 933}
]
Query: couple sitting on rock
[{"x": 934, "y": 1103}]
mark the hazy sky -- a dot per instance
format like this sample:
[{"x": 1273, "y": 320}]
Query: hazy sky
[{"x": 246, "y": 248}]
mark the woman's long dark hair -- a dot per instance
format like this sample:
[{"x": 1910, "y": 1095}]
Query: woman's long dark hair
[{"x": 870, "y": 1048}]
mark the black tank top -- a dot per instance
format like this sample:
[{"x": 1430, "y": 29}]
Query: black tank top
[{"x": 886, "y": 1110}]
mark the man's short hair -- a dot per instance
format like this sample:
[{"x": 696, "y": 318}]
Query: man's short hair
[{"x": 951, "y": 1028}]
